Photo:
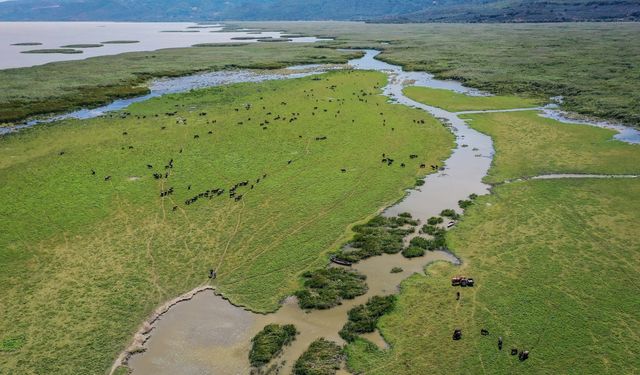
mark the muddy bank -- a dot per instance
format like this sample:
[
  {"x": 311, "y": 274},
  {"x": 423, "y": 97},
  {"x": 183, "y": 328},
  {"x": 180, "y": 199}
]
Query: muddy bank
[
  {"x": 143, "y": 333},
  {"x": 208, "y": 335},
  {"x": 556, "y": 176}
]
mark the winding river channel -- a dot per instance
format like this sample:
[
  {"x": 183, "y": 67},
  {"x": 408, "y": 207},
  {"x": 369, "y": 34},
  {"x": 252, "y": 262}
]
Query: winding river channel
[{"x": 203, "y": 333}]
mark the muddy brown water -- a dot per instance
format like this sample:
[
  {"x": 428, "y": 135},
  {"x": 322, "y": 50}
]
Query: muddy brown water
[{"x": 208, "y": 335}]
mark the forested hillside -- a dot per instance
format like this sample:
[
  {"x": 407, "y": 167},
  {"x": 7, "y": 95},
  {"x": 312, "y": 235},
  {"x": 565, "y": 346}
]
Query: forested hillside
[{"x": 369, "y": 10}]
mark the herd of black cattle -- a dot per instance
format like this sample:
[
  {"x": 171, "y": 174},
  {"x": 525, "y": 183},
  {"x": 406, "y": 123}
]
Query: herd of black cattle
[{"x": 233, "y": 190}]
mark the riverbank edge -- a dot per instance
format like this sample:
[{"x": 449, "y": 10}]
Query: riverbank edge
[{"x": 100, "y": 95}]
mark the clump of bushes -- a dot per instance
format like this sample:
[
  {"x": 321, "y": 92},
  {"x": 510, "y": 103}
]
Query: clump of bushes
[
  {"x": 435, "y": 220},
  {"x": 380, "y": 235},
  {"x": 326, "y": 288},
  {"x": 364, "y": 318},
  {"x": 473, "y": 197},
  {"x": 268, "y": 343},
  {"x": 420, "y": 242},
  {"x": 396, "y": 270},
  {"x": 322, "y": 358},
  {"x": 429, "y": 229},
  {"x": 451, "y": 214},
  {"x": 419, "y": 182},
  {"x": 413, "y": 252},
  {"x": 464, "y": 204},
  {"x": 438, "y": 241}
]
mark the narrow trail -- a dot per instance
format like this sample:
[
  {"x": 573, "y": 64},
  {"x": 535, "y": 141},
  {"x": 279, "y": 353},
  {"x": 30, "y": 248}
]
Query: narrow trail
[
  {"x": 558, "y": 176},
  {"x": 280, "y": 238},
  {"x": 154, "y": 273},
  {"x": 235, "y": 231}
]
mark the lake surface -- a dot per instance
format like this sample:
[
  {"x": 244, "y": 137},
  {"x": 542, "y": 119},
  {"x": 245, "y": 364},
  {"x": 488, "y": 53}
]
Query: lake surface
[{"x": 151, "y": 36}]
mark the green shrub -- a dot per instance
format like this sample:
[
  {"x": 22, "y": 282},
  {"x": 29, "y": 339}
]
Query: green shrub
[
  {"x": 413, "y": 252},
  {"x": 364, "y": 318},
  {"x": 421, "y": 242},
  {"x": 405, "y": 215},
  {"x": 396, "y": 270},
  {"x": 401, "y": 221},
  {"x": 428, "y": 229},
  {"x": 439, "y": 243},
  {"x": 322, "y": 358},
  {"x": 379, "y": 236},
  {"x": 435, "y": 220},
  {"x": 268, "y": 343},
  {"x": 473, "y": 196},
  {"x": 450, "y": 214},
  {"x": 464, "y": 204},
  {"x": 325, "y": 288},
  {"x": 419, "y": 182}
]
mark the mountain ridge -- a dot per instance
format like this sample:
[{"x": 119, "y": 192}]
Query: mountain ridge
[{"x": 392, "y": 11}]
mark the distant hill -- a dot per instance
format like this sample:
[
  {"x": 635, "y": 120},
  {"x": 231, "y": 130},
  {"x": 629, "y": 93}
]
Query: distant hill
[
  {"x": 370, "y": 10},
  {"x": 524, "y": 11}
]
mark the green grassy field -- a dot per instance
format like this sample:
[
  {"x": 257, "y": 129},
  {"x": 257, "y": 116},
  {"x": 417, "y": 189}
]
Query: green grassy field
[
  {"x": 455, "y": 102},
  {"x": 529, "y": 145},
  {"x": 554, "y": 264},
  {"x": 593, "y": 65},
  {"x": 84, "y": 260},
  {"x": 551, "y": 259},
  {"x": 64, "y": 86}
]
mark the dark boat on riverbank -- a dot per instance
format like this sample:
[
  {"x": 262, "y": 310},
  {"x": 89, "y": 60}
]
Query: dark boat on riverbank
[{"x": 339, "y": 261}]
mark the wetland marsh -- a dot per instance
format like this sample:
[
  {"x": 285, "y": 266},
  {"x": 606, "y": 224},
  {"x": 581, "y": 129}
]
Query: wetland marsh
[{"x": 231, "y": 187}]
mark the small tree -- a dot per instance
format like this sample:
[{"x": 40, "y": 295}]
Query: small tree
[{"x": 435, "y": 220}]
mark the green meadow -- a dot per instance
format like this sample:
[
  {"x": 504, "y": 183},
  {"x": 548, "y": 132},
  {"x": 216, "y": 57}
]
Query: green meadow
[
  {"x": 593, "y": 65},
  {"x": 528, "y": 145},
  {"x": 84, "y": 257},
  {"x": 456, "y": 102},
  {"x": 553, "y": 262}
]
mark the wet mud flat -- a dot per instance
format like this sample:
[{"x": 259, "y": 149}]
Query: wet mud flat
[{"x": 208, "y": 335}]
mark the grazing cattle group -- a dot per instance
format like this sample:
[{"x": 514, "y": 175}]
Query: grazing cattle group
[
  {"x": 457, "y": 333},
  {"x": 270, "y": 117}
]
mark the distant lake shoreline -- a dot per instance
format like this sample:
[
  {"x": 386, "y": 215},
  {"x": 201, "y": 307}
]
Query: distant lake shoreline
[{"x": 25, "y": 44}]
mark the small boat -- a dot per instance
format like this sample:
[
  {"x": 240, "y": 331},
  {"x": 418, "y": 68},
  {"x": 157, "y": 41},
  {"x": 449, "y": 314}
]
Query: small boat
[
  {"x": 339, "y": 261},
  {"x": 451, "y": 224}
]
